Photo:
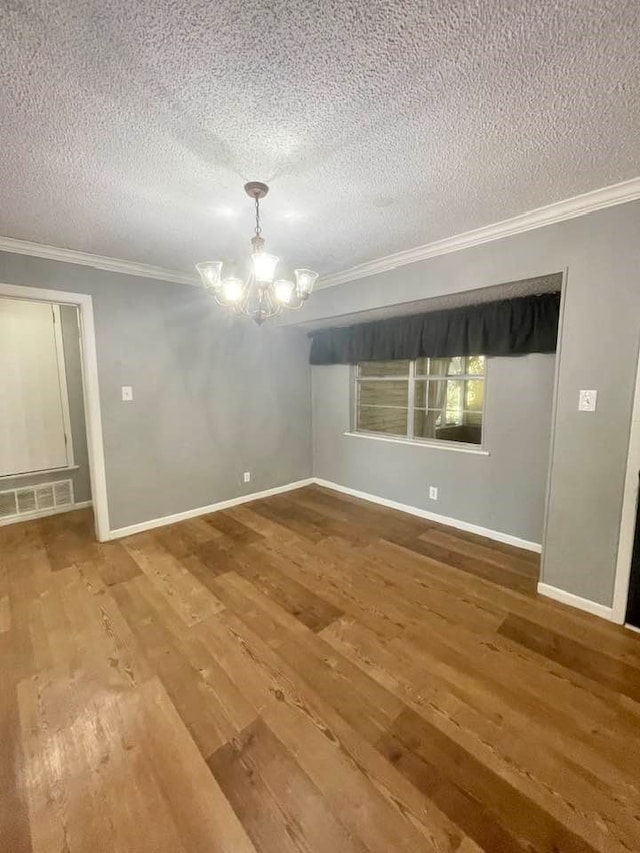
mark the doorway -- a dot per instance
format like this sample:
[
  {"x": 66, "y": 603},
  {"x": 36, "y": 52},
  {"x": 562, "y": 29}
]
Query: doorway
[{"x": 49, "y": 453}]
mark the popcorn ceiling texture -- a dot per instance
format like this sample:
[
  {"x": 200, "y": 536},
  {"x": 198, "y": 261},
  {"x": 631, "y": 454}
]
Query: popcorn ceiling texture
[{"x": 129, "y": 128}]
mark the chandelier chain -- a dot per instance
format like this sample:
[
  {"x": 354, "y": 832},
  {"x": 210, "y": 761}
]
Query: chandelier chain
[{"x": 258, "y": 228}]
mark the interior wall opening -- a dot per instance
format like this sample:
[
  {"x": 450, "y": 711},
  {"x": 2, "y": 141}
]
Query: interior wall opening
[{"x": 44, "y": 459}]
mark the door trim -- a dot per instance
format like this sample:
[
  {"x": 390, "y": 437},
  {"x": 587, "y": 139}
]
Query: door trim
[{"x": 628, "y": 516}]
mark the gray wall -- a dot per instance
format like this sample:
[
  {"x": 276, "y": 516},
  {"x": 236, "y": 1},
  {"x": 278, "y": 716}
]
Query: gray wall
[
  {"x": 599, "y": 349},
  {"x": 73, "y": 368},
  {"x": 214, "y": 395},
  {"x": 504, "y": 491}
]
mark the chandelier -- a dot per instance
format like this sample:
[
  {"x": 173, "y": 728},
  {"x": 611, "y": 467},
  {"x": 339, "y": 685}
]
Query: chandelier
[{"x": 260, "y": 295}]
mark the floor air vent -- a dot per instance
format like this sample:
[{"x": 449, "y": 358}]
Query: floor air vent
[
  {"x": 8, "y": 505},
  {"x": 26, "y": 500},
  {"x": 30, "y": 500}
]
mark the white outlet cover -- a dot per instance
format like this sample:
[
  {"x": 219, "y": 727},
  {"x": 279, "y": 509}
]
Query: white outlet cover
[
  {"x": 587, "y": 401},
  {"x": 247, "y": 476},
  {"x": 127, "y": 393},
  {"x": 433, "y": 493}
]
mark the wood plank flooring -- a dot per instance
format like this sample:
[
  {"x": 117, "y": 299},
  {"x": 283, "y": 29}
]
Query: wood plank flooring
[{"x": 305, "y": 673}]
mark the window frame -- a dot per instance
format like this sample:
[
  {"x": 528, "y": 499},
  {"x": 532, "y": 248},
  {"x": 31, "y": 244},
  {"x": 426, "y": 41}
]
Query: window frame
[{"x": 412, "y": 377}]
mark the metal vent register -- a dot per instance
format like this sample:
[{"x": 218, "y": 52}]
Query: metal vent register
[{"x": 27, "y": 500}]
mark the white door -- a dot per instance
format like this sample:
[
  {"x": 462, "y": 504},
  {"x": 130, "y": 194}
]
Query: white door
[{"x": 32, "y": 396}]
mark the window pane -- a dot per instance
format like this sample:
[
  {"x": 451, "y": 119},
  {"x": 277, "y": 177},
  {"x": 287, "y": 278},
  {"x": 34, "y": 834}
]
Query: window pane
[
  {"x": 426, "y": 424},
  {"x": 472, "y": 365},
  {"x": 387, "y": 393},
  {"x": 455, "y": 393},
  {"x": 384, "y": 368},
  {"x": 474, "y": 394},
  {"x": 475, "y": 365},
  {"x": 438, "y": 366},
  {"x": 431, "y": 394},
  {"x": 379, "y": 419},
  {"x": 473, "y": 418},
  {"x": 420, "y": 399},
  {"x": 466, "y": 433}
]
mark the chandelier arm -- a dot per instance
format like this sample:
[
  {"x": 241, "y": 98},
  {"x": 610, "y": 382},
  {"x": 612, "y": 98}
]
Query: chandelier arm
[
  {"x": 246, "y": 296},
  {"x": 296, "y": 307},
  {"x": 269, "y": 307},
  {"x": 270, "y": 304}
]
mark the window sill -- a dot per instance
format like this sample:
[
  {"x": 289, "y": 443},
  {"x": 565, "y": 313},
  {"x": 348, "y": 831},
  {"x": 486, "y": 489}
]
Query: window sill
[
  {"x": 47, "y": 471},
  {"x": 439, "y": 445}
]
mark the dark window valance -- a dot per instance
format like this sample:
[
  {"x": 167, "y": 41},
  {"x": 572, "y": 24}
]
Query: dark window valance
[{"x": 508, "y": 327}]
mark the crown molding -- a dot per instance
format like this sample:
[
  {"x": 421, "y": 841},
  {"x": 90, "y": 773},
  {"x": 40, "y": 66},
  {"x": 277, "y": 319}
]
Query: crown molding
[
  {"x": 569, "y": 208},
  {"x": 99, "y": 262}
]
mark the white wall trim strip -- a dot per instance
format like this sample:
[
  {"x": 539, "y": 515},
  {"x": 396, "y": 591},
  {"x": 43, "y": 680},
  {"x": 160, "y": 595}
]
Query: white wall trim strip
[
  {"x": 43, "y": 513},
  {"x": 204, "y": 510},
  {"x": 255, "y": 496},
  {"x": 99, "y": 262},
  {"x": 544, "y": 589},
  {"x": 569, "y": 208},
  {"x": 496, "y": 535},
  {"x": 576, "y": 601}
]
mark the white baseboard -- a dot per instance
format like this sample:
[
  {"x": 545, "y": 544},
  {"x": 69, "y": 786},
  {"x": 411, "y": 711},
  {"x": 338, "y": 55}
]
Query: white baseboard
[
  {"x": 204, "y": 510},
  {"x": 496, "y": 535},
  {"x": 576, "y": 601},
  {"x": 43, "y": 513}
]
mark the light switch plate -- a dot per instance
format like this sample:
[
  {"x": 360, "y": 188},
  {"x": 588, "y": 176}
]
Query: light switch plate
[
  {"x": 127, "y": 393},
  {"x": 587, "y": 401}
]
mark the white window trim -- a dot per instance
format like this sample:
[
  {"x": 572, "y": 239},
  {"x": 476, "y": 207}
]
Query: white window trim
[
  {"x": 46, "y": 471},
  {"x": 459, "y": 446},
  {"x": 440, "y": 444}
]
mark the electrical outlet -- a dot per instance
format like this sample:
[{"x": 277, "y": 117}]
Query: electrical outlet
[
  {"x": 127, "y": 393},
  {"x": 587, "y": 401},
  {"x": 433, "y": 493},
  {"x": 246, "y": 477}
]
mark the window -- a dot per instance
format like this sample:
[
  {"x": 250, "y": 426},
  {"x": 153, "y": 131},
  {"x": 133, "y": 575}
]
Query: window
[{"x": 431, "y": 399}]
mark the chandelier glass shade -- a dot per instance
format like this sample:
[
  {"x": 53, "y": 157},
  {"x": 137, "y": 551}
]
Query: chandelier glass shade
[{"x": 260, "y": 295}]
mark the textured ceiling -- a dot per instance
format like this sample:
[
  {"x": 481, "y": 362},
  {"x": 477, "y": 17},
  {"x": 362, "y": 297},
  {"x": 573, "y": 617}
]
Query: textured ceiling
[{"x": 129, "y": 128}]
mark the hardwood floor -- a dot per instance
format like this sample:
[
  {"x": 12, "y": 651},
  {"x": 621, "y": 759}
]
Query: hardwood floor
[{"x": 305, "y": 673}]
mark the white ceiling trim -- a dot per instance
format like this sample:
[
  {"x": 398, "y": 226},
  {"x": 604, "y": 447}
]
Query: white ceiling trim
[
  {"x": 99, "y": 262},
  {"x": 557, "y": 212}
]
